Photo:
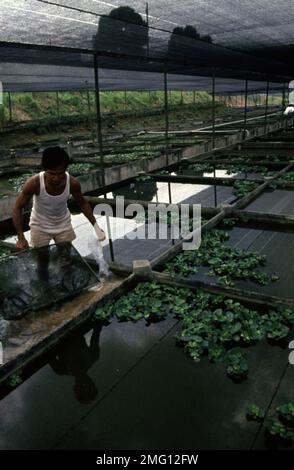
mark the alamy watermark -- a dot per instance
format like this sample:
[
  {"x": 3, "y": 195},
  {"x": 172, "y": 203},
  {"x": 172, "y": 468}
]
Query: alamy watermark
[
  {"x": 291, "y": 355},
  {"x": 1, "y": 354},
  {"x": 156, "y": 222}
]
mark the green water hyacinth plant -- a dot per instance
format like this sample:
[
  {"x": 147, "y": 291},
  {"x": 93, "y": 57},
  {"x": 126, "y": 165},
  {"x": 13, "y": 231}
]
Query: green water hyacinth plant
[
  {"x": 209, "y": 325},
  {"x": 241, "y": 188},
  {"x": 237, "y": 363},
  {"x": 286, "y": 413},
  {"x": 19, "y": 181},
  {"x": 255, "y": 413},
  {"x": 280, "y": 426},
  {"x": 243, "y": 168},
  {"x": 230, "y": 222},
  {"x": 225, "y": 263},
  {"x": 78, "y": 168},
  {"x": 15, "y": 379},
  {"x": 287, "y": 177},
  {"x": 4, "y": 252},
  {"x": 278, "y": 429},
  {"x": 144, "y": 178},
  {"x": 200, "y": 167}
]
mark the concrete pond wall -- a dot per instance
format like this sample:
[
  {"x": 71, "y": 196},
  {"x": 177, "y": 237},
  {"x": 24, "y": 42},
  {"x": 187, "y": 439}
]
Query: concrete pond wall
[{"x": 92, "y": 180}]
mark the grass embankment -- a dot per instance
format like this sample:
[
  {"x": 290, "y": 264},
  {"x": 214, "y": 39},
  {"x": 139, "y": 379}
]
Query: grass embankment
[
  {"x": 72, "y": 114},
  {"x": 31, "y": 106}
]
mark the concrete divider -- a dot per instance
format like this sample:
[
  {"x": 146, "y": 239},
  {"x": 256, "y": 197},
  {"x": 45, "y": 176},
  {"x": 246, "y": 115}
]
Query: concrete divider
[{"x": 92, "y": 180}]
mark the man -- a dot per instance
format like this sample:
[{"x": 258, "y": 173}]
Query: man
[
  {"x": 74, "y": 358},
  {"x": 50, "y": 189},
  {"x": 289, "y": 111}
]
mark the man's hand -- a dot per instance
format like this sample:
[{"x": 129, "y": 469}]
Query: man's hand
[
  {"x": 22, "y": 244},
  {"x": 99, "y": 232}
]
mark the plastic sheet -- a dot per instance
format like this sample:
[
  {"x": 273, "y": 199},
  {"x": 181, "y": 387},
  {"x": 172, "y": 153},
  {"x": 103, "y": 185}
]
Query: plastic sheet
[
  {"x": 40, "y": 277},
  {"x": 96, "y": 252}
]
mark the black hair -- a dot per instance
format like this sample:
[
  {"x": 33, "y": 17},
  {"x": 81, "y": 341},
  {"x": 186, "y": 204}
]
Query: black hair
[{"x": 54, "y": 157}]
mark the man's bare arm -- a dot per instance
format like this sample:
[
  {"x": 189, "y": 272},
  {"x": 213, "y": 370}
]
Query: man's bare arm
[
  {"x": 85, "y": 206},
  {"x": 27, "y": 192}
]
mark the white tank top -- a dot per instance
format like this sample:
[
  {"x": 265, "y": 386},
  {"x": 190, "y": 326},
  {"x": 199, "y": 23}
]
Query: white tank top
[{"x": 50, "y": 213}]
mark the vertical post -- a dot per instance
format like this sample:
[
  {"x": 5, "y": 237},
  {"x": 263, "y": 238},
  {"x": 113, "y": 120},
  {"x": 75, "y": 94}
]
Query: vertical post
[
  {"x": 100, "y": 142},
  {"x": 287, "y": 103},
  {"x": 98, "y": 118},
  {"x": 213, "y": 133},
  {"x": 266, "y": 107},
  {"x": 171, "y": 219},
  {"x": 283, "y": 97},
  {"x": 147, "y": 21},
  {"x": 283, "y": 104},
  {"x": 245, "y": 109},
  {"x": 213, "y": 110},
  {"x": 89, "y": 112},
  {"x": 166, "y": 111},
  {"x": 88, "y": 102},
  {"x": 255, "y": 99},
  {"x": 57, "y": 105},
  {"x": 69, "y": 149},
  {"x": 10, "y": 106},
  {"x": 125, "y": 95}
]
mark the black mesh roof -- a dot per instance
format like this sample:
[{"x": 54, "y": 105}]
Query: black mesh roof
[
  {"x": 234, "y": 39},
  {"x": 53, "y": 78}
]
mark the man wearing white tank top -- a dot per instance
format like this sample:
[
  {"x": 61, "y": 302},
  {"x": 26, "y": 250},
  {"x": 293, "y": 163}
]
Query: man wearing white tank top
[{"x": 50, "y": 189}]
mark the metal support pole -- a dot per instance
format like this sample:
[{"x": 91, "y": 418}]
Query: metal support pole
[
  {"x": 147, "y": 21},
  {"x": 10, "y": 106},
  {"x": 98, "y": 118},
  {"x": 283, "y": 97},
  {"x": 100, "y": 142},
  {"x": 213, "y": 110},
  {"x": 89, "y": 102},
  {"x": 266, "y": 107},
  {"x": 57, "y": 105},
  {"x": 286, "y": 104},
  {"x": 171, "y": 221},
  {"x": 245, "y": 109},
  {"x": 89, "y": 113},
  {"x": 283, "y": 105},
  {"x": 166, "y": 111},
  {"x": 213, "y": 133}
]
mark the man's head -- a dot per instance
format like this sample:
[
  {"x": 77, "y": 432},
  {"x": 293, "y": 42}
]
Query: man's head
[
  {"x": 54, "y": 162},
  {"x": 55, "y": 157}
]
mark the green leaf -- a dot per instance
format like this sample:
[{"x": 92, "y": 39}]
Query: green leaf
[
  {"x": 286, "y": 413},
  {"x": 276, "y": 428},
  {"x": 255, "y": 413}
]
